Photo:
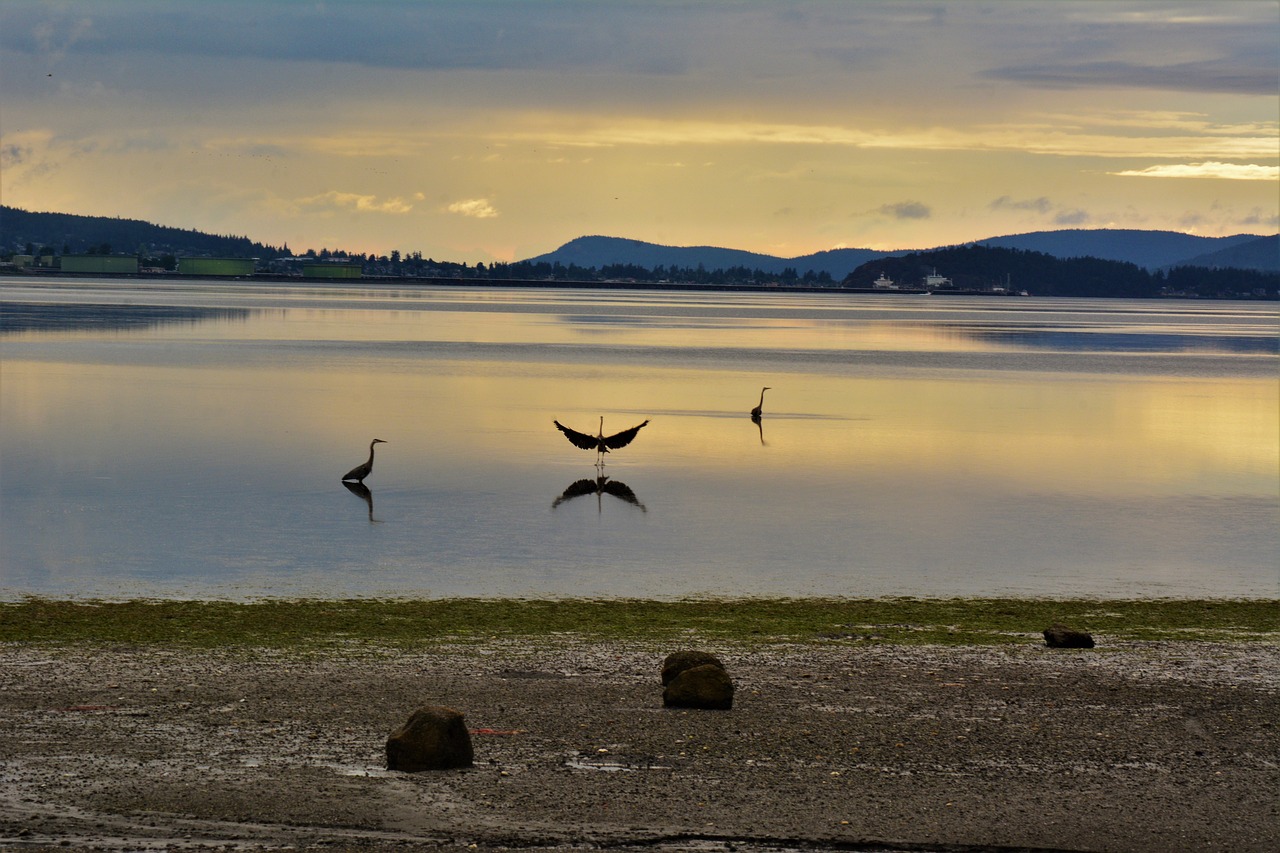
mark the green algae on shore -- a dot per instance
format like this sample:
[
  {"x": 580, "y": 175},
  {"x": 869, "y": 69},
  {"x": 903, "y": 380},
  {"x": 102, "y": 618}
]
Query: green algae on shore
[{"x": 315, "y": 623}]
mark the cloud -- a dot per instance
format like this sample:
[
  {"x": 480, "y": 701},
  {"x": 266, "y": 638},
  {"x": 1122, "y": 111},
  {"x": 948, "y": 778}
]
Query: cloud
[
  {"x": 12, "y": 155},
  {"x": 907, "y": 210},
  {"x": 56, "y": 37},
  {"x": 355, "y": 201},
  {"x": 1071, "y": 217},
  {"x": 1216, "y": 77},
  {"x": 1209, "y": 169},
  {"x": 1053, "y": 137},
  {"x": 476, "y": 208},
  {"x": 1039, "y": 205},
  {"x": 1259, "y": 217}
]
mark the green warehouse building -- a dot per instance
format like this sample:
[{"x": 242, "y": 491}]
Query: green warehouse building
[
  {"x": 330, "y": 269},
  {"x": 117, "y": 264},
  {"x": 216, "y": 266}
]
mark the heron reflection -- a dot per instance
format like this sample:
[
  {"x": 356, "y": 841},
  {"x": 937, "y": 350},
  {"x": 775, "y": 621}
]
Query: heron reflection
[
  {"x": 760, "y": 427},
  {"x": 599, "y": 487},
  {"x": 361, "y": 491}
]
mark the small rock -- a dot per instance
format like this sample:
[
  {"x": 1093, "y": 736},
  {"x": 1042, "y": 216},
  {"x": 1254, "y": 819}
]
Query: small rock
[
  {"x": 678, "y": 662},
  {"x": 706, "y": 686},
  {"x": 1059, "y": 636},
  {"x": 434, "y": 738}
]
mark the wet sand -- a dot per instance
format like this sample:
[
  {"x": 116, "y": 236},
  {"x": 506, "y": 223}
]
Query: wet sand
[{"x": 844, "y": 746}]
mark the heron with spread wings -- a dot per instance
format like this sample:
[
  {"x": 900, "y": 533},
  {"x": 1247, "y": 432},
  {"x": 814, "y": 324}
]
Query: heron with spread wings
[{"x": 600, "y": 442}]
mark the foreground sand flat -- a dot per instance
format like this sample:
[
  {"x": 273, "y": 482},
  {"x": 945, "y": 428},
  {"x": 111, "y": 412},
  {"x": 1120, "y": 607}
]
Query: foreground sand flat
[{"x": 1128, "y": 747}]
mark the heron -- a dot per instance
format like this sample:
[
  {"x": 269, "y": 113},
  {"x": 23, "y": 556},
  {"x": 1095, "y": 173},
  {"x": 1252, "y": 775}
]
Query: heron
[
  {"x": 759, "y": 409},
  {"x": 600, "y": 443},
  {"x": 362, "y": 470}
]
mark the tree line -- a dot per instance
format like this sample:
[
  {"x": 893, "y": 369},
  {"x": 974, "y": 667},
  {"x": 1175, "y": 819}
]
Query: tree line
[
  {"x": 970, "y": 268},
  {"x": 983, "y": 268}
]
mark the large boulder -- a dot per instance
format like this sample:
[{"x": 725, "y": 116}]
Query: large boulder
[
  {"x": 678, "y": 662},
  {"x": 1059, "y": 636},
  {"x": 705, "y": 686},
  {"x": 434, "y": 738}
]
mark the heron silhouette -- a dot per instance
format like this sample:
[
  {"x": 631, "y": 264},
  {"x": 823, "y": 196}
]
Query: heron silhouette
[
  {"x": 600, "y": 443},
  {"x": 759, "y": 409},
  {"x": 362, "y": 470}
]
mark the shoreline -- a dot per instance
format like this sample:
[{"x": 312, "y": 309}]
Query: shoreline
[
  {"x": 1134, "y": 746},
  {"x": 607, "y": 284},
  {"x": 415, "y": 623}
]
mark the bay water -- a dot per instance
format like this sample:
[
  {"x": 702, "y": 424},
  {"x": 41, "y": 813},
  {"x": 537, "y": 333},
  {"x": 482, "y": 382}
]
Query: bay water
[{"x": 185, "y": 439}]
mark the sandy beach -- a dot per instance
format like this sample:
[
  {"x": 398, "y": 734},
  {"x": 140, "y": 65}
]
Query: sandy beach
[{"x": 1133, "y": 746}]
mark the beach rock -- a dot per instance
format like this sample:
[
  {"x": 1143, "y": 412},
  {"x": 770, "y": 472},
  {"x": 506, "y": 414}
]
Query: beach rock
[
  {"x": 705, "y": 686},
  {"x": 434, "y": 738},
  {"x": 678, "y": 662},
  {"x": 1059, "y": 636}
]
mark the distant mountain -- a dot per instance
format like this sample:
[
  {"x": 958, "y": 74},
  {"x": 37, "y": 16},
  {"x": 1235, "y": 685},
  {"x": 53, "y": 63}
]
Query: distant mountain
[
  {"x": 68, "y": 233},
  {"x": 1149, "y": 249},
  {"x": 597, "y": 252},
  {"x": 1262, "y": 253}
]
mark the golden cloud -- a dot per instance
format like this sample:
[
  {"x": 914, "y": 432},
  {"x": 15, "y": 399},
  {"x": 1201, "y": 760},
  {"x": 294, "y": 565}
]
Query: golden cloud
[
  {"x": 476, "y": 208},
  {"x": 1210, "y": 169},
  {"x": 355, "y": 201}
]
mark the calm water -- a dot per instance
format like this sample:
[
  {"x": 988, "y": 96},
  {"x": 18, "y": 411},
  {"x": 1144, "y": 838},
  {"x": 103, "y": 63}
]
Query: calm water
[{"x": 178, "y": 439}]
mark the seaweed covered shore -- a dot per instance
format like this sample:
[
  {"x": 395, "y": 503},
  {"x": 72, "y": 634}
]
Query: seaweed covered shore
[{"x": 840, "y": 737}]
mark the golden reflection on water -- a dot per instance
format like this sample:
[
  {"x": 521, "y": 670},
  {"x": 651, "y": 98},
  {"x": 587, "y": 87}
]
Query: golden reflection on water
[
  {"x": 216, "y": 446},
  {"x": 1051, "y": 433}
]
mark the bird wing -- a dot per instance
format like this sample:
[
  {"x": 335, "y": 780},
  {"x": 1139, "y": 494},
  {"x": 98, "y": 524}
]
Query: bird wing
[
  {"x": 359, "y": 472},
  {"x": 622, "y": 439},
  {"x": 623, "y": 491},
  {"x": 576, "y": 490},
  {"x": 579, "y": 439}
]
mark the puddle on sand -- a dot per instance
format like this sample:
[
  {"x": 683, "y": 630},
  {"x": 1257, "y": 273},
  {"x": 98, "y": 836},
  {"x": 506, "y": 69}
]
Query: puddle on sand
[{"x": 609, "y": 762}]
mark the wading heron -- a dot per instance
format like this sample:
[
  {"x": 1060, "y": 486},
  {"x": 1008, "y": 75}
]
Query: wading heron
[
  {"x": 362, "y": 470},
  {"x": 759, "y": 409},
  {"x": 600, "y": 443}
]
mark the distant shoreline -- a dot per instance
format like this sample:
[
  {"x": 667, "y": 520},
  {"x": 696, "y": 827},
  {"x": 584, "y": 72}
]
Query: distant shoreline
[
  {"x": 502, "y": 282},
  {"x": 578, "y": 284}
]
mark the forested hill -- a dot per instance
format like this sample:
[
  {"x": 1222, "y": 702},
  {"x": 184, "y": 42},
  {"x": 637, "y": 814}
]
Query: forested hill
[
  {"x": 982, "y": 268},
  {"x": 67, "y": 233}
]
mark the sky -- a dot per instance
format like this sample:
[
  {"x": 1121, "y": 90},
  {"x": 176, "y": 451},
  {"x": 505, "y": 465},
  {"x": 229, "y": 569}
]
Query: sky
[{"x": 482, "y": 130}]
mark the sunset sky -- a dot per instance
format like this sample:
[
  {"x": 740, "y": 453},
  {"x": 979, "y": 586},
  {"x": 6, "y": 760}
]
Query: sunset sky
[{"x": 475, "y": 130}]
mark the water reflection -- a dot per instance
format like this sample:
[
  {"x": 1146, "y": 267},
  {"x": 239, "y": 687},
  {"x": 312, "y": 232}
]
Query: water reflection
[
  {"x": 759, "y": 422},
  {"x": 915, "y": 455},
  {"x": 599, "y": 487},
  {"x": 1034, "y": 337},
  {"x": 361, "y": 491},
  {"x": 34, "y": 317}
]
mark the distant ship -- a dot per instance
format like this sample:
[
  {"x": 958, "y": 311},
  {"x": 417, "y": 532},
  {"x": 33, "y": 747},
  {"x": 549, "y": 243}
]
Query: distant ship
[{"x": 933, "y": 282}]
